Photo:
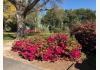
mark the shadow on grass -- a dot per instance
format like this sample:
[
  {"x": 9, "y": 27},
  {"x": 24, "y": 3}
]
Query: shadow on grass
[{"x": 9, "y": 36}]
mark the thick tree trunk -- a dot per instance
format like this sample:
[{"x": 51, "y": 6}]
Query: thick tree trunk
[
  {"x": 20, "y": 21},
  {"x": 20, "y": 26}
]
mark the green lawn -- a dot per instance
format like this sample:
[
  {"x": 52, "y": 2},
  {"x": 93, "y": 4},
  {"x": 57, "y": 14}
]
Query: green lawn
[
  {"x": 9, "y": 35},
  {"x": 12, "y": 35}
]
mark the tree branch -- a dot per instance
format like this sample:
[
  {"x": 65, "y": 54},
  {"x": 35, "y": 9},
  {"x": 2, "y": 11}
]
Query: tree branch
[
  {"x": 13, "y": 2},
  {"x": 43, "y": 4},
  {"x": 29, "y": 7}
]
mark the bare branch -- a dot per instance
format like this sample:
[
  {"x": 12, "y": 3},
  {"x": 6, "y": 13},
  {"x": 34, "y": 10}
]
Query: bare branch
[
  {"x": 13, "y": 2},
  {"x": 29, "y": 7}
]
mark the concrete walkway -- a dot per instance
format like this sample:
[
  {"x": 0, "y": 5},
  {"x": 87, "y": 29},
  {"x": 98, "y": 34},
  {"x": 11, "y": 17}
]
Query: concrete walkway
[{"x": 10, "y": 64}]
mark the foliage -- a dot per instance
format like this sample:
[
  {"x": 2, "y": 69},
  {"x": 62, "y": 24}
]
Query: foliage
[
  {"x": 51, "y": 49},
  {"x": 86, "y": 36},
  {"x": 53, "y": 19},
  {"x": 57, "y": 18},
  {"x": 9, "y": 10},
  {"x": 9, "y": 36},
  {"x": 9, "y": 16},
  {"x": 24, "y": 8},
  {"x": 78, "y": 16}
]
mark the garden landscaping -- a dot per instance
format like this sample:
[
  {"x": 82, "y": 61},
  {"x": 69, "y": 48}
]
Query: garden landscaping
[
  {"x": 44, "y": 65},
  {"x": 47, "y": 36},
  {"x": 51, "y": 51}
]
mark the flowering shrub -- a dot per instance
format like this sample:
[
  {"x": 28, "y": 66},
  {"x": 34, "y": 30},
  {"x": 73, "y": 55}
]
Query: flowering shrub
[
  {"x": 59, "y": 37},
  {"x": 75, "y": 53},
  {"x": 28, "y": 31},
  {"x": 19, "y": 45},
  {"x": 86, "y": 36},
  {"x": 74, "y": 44},
  {"x": 52, "y": 49},
  {"x": 75, "y": 49},
  {"x": 53, "y": 53},
  {"x": 58, "y": 40},
  {"x": 27, "y": 49},
  {"x": 29, "y": 52}
]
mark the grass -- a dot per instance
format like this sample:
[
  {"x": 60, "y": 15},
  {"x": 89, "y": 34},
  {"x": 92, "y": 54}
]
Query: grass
[
  {"x": 12, "y": 35},
  {"x": 9, "y": 35}
]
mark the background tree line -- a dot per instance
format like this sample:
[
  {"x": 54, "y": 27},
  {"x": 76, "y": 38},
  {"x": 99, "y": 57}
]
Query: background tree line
[
  {"x": 59, "y": 19},
  {"x": 55, "y": 19}
]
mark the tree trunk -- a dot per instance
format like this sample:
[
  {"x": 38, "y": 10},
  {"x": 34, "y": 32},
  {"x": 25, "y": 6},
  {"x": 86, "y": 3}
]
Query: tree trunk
[
  {"x": 20, "y": 26},
  {"x": 20, "y": 22}
]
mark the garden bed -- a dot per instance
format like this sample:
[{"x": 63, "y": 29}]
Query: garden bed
[
  {"x": 45, "y": 65},
  {"x": 58, "y": 65},
  {"x": 52, "y": 51}
]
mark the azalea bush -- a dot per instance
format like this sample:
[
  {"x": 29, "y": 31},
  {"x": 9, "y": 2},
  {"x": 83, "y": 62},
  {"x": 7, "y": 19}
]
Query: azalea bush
[
  {"x": 54, "y": 48},
  {"x": 74, "y": 48},
  {"x": 27, "y": 31},
  {"x": 32, "y": 31},
  {"x": 58, "y": 40},
  {"x": 86, "y": 36},
  {"x": 28, "y": 49}
]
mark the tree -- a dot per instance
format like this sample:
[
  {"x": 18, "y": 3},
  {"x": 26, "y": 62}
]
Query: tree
[
  {"x": 54, "y": 18},
  {"x": 71, "y": 18},
  {"x": 9, "y": 16},
  {"x": 78, "y": 16},
  {"x": 85, "y": 14},
  {"x": 58, "y": 18},
  {"x": 23, "y": 8}
]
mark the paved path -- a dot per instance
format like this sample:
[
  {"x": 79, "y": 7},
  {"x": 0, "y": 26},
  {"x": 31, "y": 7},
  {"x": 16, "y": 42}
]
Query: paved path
[{"x": 10, "y": 64}]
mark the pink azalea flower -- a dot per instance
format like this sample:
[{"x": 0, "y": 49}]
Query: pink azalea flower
[{"x": 75, "y": 53}]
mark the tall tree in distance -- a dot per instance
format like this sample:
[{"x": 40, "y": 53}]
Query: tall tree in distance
[{"x": 23, "y": 8}]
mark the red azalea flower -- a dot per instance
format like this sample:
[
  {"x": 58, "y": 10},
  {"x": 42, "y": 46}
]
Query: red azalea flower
[
  {"x": 59, "y": 50},
  {"x": 51, "y": 39},
  {"x": 75, "y": 53},
  {"x": 48, "y": 54},
  {"x": 18, "y": 43}
]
